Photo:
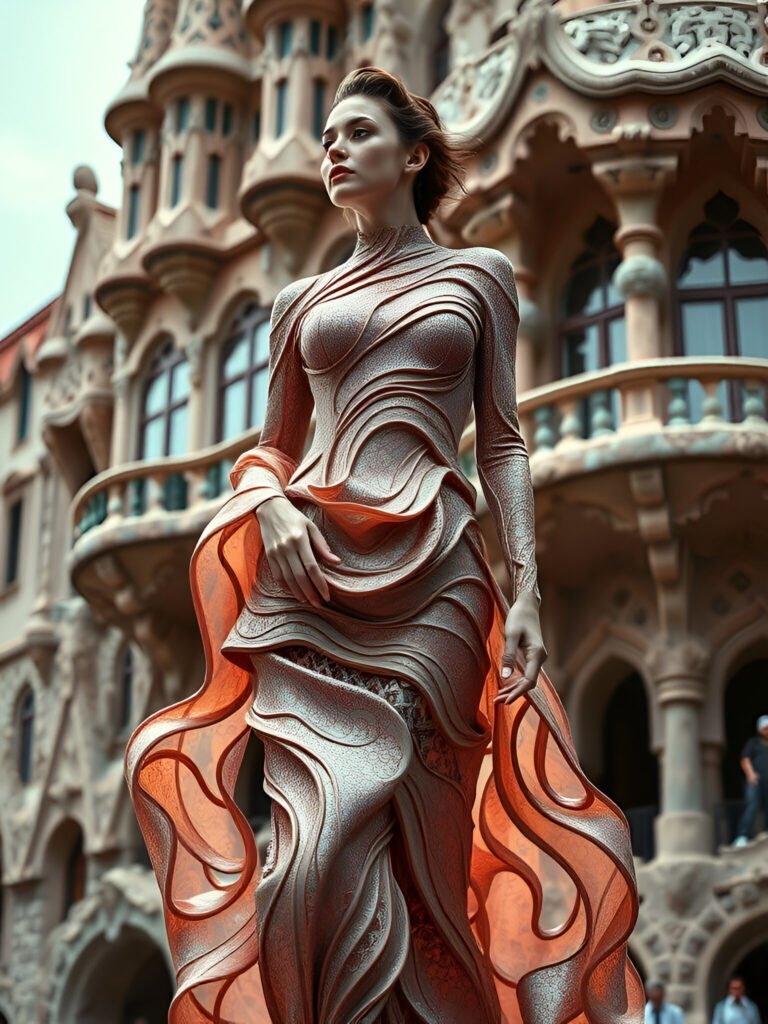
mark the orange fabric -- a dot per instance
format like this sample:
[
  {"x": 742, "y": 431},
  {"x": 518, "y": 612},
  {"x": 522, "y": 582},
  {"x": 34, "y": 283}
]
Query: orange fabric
[{"x": 535, "y": 805}]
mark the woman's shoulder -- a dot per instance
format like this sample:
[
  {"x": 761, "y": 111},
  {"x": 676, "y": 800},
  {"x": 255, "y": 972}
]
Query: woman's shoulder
[{"x": 290, "y": 293}]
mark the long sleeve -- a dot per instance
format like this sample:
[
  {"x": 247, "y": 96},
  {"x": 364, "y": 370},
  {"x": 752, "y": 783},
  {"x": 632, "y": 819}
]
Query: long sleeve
[
  {"x": 500, "y": 450},
  {"x": 289, "y": 403}
]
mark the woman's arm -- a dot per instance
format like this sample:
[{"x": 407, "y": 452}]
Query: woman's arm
[{"x": 500, "y": 450}]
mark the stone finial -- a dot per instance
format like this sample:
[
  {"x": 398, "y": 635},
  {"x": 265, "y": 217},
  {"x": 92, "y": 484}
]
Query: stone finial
[
  {"x": 215, "y": 23},
  {"x": 640, "y": 275},
  {"x": 84, "y": 179}
]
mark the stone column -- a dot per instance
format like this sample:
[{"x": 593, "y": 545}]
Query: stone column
[
  {"x": 196, "y": 404},
  {"x": 684, "y": 826},
  {"x": 121, "y": 414},
  {"x": 635, "y": 184}
]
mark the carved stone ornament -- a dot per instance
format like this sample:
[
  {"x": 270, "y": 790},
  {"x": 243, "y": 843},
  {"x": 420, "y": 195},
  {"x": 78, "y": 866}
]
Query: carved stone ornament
[
  {"x": 640, "y": 275},
  {"x": 475, "y": 97},
  {"x": 660, "y": 46}
]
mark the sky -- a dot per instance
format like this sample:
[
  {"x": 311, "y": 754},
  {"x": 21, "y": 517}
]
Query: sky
[{"x": 61, "y": 64}]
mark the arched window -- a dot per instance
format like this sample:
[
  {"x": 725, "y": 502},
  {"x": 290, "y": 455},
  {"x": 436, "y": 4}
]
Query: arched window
[
  {"x": 125, "y": 692},
  {"x": 722, "y": 295},
  {"x": 244, "y": 373},
  {"x": 441, "y": 47},
  {"x": 163, "y": 428},
  {"x": 592, "y": 330},
  {"x": 26, "y": 735},
  {"x": 74, "y": 874}
]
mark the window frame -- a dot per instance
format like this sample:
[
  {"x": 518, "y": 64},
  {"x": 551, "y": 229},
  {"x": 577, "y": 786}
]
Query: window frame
[
  {"x": 167, "y": 357},
  {"x": 248, "y": 321}
]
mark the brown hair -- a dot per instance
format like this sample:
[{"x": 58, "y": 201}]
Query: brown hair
[{"x": 416, "y": 120}]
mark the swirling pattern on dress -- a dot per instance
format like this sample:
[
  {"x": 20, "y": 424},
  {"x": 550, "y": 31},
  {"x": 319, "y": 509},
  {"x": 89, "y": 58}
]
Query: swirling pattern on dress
[{"x": 419, "y": 831}]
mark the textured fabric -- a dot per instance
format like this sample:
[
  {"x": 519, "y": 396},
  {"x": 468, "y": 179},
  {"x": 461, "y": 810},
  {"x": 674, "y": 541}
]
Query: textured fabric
[{"x": 434, "y": 858}]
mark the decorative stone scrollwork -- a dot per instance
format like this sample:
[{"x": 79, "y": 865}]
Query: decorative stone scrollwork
[
  {"x": 603, "y": 38},
  {"x": 475, "y": 96},
  {"x": 693, "y": 27}
]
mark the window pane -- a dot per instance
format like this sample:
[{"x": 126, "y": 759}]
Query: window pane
[
  {"x": 153, "y": 441},
  {"x": 703, "y": 335},
  {"x": 182, "y": 114},
  {"x": 748, "y": 261},
  {"x": 211, "y": 110},
  {"x": 314, "y": 37},
  {"x": 212, "y": 187},
  {"x": 703, "y": 265},
  {"x": 226, "y": 126},
  {"x": 259, "y": 382},
  {"x": 177, "y": 440},
  {"x": 176, "y": 173},
  {"x": 752, "y": 327},
  {"x": 703, "y": 329},
  {"x": 617, "y": 341},
  {"x": 584, "y": 294},
  {"x": 580, "y": 351},
  {"x": 233, "y": 417},
  {"x": 180, "y": 383},
  {"x": 281, "y": 98},
  {"x": 261, "y": 354},
  {"x": 236, "y": 360},
  {"x": 156, "y": 397}
]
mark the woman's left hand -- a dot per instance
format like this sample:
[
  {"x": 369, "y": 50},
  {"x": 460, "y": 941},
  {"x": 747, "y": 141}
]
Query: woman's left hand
[{"x": 523, "y": 634}]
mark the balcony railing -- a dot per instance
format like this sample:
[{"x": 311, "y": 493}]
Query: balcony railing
[
  {"x": 626, "y": 401},
  {"x": 629, "y": 399}
]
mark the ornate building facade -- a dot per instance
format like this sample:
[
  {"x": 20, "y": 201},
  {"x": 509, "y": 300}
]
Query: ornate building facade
[{"x": 624, "y": 172}]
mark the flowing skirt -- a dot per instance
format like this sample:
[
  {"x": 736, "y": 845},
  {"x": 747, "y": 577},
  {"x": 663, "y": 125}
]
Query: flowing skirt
[
  {"x": 434, "y": 857},
  {"x": 362, "y": 903}
]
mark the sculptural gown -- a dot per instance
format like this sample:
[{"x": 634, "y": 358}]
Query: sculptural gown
[{"x": 435, "y": 857}]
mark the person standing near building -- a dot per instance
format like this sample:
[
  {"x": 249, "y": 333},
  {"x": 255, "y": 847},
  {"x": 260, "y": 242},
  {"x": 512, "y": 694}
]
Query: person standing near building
[
  {"x": 754, "y": 763},
  {"x": 736, "y": 1008},
  {"x": 657, "y": 1009}
]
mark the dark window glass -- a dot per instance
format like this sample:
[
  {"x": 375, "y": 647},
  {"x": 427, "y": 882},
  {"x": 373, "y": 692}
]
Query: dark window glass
[
  {"x": 13, "y": 542},
  {"x": 226, "y": 122},
  {"x": 244, "y": 373},
  {"x": 137, "y": 154},
  {"x": 86, "y": 307},
  {"x": 256, "y": 125},
  {"x": 25, "y": 403},
  {"x": 285, "y": 38},
  {"x": 367, "y": 20},
  {"x": 182, "y": 114},
  {"x": 26, "y": 735},
  {"x": 74, "y": 876},
  {"x": 593, "y": 329},
  {"x": 315, "y": 31},
  {"x": 177, "y": 169},
  {"x": 212, "y": 190},
  {"x": 282, "y": 96},
  {"x": 332, "y": 42},
  {"x": 722, "y": 297},
  {"x": 133, "y": 210},
  {"x": 125, "y": 692},
  {"x": 211, "y": 112},
  {"x": 318, "y": 107},
  {"x": 164, "y": 407},
  {"x": 441, "y": 50}
]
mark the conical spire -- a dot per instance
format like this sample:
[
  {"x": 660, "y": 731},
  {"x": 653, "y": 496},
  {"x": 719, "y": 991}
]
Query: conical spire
[
  {"x": 215, "y": 23},
  {"x": 156, "y": 30}
]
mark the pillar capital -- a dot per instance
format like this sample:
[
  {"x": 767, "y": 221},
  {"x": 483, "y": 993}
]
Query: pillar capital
[{"x": 679, "y": 669}]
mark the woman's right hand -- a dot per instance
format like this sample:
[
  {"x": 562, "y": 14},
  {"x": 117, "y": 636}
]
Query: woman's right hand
[{"x": 289, "y": 538}]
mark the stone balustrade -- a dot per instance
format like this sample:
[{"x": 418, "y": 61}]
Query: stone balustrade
[{"x": 629, "y": 400}]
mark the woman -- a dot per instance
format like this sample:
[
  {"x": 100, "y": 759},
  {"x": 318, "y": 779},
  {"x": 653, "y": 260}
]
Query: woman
[{"x": 357, "y": 614}]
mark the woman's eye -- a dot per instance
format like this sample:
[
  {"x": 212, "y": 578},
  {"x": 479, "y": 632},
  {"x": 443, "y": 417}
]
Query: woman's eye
[{"x": 327, "y": 143}]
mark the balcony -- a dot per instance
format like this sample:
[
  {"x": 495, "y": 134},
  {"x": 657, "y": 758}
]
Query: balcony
[
  {"x": 656, "y": 409},
  {"x": 135, "y": 526}
]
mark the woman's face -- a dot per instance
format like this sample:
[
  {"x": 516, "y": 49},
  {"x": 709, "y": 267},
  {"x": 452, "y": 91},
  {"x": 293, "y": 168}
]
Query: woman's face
[{"x": 360, "y": 135}]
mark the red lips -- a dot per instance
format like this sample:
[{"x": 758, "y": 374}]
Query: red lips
[{"x": 337, "y": 171}]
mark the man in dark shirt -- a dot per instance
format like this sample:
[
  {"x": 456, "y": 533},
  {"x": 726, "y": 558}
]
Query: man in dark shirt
[{"x": 754, "y": 763}]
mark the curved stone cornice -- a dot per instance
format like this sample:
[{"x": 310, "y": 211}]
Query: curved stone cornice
[{"x": 662, "y": 48}]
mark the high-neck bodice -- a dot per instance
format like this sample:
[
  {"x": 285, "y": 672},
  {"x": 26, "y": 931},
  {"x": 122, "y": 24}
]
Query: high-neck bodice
[{"x": 391, "y": 236}]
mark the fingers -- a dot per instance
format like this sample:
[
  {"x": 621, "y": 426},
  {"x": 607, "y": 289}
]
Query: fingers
[
  {"x": 313, "y": 569},
  {"x": 319, "y": 541},
  {"x": 307, "y": 591},
  {"x": 509, "y": 658}
]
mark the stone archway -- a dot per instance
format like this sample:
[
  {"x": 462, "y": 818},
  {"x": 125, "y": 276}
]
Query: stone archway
[
  {"x": 745, "y": 697},
  {"x": 745, "y": 952},
  {"x": 125, "y": 981},
  {"x": 109, "y": 960}
]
